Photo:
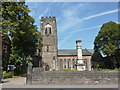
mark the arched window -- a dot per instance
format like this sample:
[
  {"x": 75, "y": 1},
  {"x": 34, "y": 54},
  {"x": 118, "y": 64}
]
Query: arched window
[
  {"x": 61, "y": 64},
  {"x": 45, "y": 30},
  {"x": 85, "y": 62},
  {"x": 5, "y": 48},
  {"x": 48, "y": 29},
  {"x": 64, "y": 63},
  {"x": 53, "y": 57},
  {"x": 73, "y": 63},
  {"x": 47, "y": 48},
  {"x": 69, "y": 66},
  {"x": 47, "y": 68}
]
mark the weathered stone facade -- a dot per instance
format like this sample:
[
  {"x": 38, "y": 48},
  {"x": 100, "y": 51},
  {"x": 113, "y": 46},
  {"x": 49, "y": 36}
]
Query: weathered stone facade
[
  {"x": 49, "y": 50},
  {"x": 67, "y": 59},
  {"x": 61, "y": 59},
  {"x": 64, "y": 60}
]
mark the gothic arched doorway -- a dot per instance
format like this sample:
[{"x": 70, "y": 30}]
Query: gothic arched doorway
[{"x": 47, "y": 68}]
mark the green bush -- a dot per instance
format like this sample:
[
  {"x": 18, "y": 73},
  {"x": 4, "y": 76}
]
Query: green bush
[
  {"x": 24, "y": 75},
  {"x": 15, "y": 76},
  {"x": 101, "y": 65},
  {"x": 7, "y": 75},
  {"x": 54, "y": 70},
  {"x": 64, "y": 70},
  {"x": 67, "y": 70},
  {"x": 118, "y": 69}
]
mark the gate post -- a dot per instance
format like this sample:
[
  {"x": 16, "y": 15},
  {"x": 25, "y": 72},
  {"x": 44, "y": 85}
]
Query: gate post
[{"x": 29, "y": 74}]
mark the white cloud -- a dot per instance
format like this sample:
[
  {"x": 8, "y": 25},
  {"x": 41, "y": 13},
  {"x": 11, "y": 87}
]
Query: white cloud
[
  {"x": 44, "y": 13},
  {"x": 73, "y": 32},
  {"x": 65, "y": 39},
  {"x": 79, "y": 21},
  {"x": 73, "y": 10},
  {"x": 70, "y": 17},
  {"x": 68, "y": 24}
]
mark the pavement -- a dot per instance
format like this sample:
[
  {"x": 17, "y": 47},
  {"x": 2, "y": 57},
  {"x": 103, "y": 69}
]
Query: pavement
[
  {"x": 14, "y": 81},
  {"x": 20, "y": 84}
]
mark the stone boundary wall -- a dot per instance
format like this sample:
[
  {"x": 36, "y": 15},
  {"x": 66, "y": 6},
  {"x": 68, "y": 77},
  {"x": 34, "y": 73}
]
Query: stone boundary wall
[{"x": 74, "y": 77}]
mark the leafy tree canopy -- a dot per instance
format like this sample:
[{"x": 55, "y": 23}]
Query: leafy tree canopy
[
  {"x": 108, "y": 39},
  {"x": 19, "y": 25}
]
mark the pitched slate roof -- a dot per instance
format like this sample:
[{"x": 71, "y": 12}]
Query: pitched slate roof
[{"x": 73, "y": 52}]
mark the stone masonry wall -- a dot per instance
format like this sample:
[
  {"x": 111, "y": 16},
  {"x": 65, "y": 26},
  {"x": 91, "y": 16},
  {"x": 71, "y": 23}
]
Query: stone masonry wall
[
  {"x": 49, "y": 36},
  {"x": 74, "y": 77}
]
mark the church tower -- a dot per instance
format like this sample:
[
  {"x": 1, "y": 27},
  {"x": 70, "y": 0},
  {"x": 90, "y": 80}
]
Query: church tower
[{"x": 50, "y": 48}]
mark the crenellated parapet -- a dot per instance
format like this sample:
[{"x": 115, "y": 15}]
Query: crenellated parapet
[{"x": 52, "y": 19}]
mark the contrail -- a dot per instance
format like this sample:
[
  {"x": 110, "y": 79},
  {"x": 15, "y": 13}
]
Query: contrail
[
  {"x": 86, "y": 29},
  {"x": 87, "y": 18},
  {"x": 100, "y": 14}
]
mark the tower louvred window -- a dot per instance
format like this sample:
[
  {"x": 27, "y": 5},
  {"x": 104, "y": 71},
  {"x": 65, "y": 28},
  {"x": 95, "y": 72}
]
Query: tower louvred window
[{"x": 48, "y": 29}]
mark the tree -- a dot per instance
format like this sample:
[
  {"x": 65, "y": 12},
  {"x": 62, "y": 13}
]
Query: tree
[
  {"x": 108, "y": 40},
  {"x": 20, "y": 26},
  {"x": 6, "y": 44}
]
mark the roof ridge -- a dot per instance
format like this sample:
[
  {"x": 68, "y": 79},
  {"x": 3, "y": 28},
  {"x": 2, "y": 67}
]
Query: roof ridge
[
  {"x": 75, "y": 49},
  {"x": 88, "y": 51},
  {"x": 66, "y": 49}
]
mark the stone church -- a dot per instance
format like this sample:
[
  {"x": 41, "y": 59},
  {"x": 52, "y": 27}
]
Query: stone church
[{"x": 55, "y": 59}]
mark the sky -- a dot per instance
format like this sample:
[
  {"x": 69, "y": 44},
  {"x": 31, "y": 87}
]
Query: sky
[{"x": 75, "y": 20}]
